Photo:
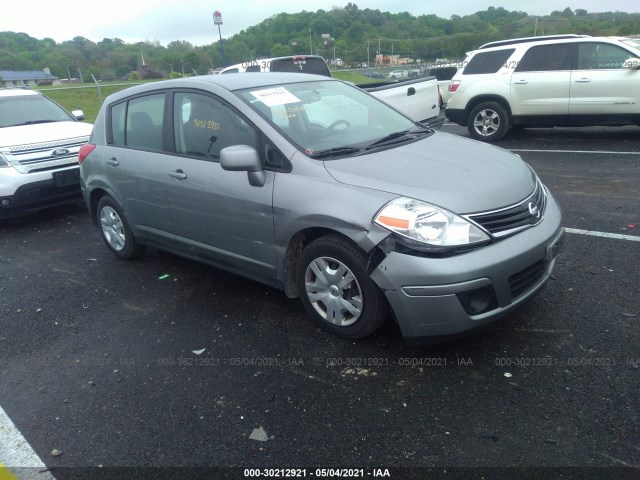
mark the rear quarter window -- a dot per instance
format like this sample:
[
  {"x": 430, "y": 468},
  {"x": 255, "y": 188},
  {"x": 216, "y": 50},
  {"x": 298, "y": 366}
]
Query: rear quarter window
[{"x": 488, "y": 62}]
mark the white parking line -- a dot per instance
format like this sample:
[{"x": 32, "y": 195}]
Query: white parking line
[
  {"x": 18, "y": 461},
  {"x": 590, "y": 152},
  {"x": 592, "y": 233}
]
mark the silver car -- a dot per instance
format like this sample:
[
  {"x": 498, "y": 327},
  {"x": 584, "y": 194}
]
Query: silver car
[{"x": 315, "y": 187}]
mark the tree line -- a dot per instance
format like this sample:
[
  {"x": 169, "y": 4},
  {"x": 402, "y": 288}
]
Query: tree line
[{"x": 352, "y": 34}]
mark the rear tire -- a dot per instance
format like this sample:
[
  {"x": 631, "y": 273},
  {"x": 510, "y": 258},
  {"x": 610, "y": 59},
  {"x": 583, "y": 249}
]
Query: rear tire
[
  {"x": 115, "y": 229},
  {"x": 488, "y": 122},
  {"x": 336, "y": 288}
]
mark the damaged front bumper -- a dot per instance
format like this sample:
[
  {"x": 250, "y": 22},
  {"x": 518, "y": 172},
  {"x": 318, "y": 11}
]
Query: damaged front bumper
[{"x": 435, "y": 299}]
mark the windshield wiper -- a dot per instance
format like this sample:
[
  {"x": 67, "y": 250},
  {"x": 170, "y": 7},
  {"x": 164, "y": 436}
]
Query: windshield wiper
[
  {"x": 331, "y": 152},
  {"x": 33, "y": 122},
  {"x": 411, "y": 133}
]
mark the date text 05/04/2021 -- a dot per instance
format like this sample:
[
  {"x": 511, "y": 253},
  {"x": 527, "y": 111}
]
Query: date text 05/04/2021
[{"x": 316, "y": 472}]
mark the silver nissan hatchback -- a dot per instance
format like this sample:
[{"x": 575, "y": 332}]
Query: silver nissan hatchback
[{"x": 315, "y": 187}]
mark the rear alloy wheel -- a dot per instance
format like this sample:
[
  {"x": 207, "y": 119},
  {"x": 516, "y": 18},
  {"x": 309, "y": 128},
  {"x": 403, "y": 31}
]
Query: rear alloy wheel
[
  {"x": 488, "y": 122},
  {"x": 115, "y": 230},
  {"x": 336, "y": 289}
]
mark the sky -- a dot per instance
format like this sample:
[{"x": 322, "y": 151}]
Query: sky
[{"x": 192, "y": 20}]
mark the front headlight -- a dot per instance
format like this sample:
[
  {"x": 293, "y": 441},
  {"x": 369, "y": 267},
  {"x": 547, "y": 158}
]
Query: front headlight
[
  {"x": 433, "y": 227},
  {"x": 3, "y": 161}
]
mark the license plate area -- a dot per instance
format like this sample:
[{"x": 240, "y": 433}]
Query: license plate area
[
  {"x": 66, "y": 178},
  {"x": 555, "y": 247}
]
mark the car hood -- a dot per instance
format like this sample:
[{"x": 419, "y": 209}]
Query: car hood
[
  {"x": 459, "y": 174},
  {"x": 43, "y": 132}
]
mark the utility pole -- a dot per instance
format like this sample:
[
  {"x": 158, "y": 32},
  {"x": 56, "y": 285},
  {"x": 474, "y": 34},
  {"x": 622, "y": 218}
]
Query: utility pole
[{"x": 310, "y": 45}]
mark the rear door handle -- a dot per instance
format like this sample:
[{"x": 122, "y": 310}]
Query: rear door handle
[
  {"x": 583, "y": 80},
  {"x": 113, "y": 162},
  {"x": 179, "y": 174},
  {"x": 520, "y": 82},
  {"x": 411, "y": 91}
]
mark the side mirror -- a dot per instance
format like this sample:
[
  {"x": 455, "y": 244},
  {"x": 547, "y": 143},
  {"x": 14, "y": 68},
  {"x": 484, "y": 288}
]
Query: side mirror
[
  {"x": 632, "y": 63},
  {"x": 77, "y": 114},
  {"x": 243, "y": 158}
]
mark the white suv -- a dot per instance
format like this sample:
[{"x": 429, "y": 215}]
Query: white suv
[
  {"x": 562, "y": 80},
  {"x": 39, "y": 144}
]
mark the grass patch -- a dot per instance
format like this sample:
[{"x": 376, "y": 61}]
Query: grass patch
[
  {"x": 355, "y": 76},
  {"x": 85, "y": 97}
]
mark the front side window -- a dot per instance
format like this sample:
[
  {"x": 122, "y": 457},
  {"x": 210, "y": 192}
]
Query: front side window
[
  {"x": 546, "y": 58},
  {"x": 487, "y": 62},
  {"x": 601, "y": 56},
  {"x": 203, "y": 126}
]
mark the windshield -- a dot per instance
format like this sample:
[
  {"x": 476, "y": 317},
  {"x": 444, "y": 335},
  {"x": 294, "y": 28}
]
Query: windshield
[
  {"x": 634, "y": 42},
  {"x": 18, "y": 110},
  {"x": 327, "y": 116}
]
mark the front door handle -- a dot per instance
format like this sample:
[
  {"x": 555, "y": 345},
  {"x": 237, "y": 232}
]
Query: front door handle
[
  {"x": 179, "y": 174},
  {"x": 521, "y": 82},
  {"x": 113, "y": 162},
  {"x": 583, "y": 80}
]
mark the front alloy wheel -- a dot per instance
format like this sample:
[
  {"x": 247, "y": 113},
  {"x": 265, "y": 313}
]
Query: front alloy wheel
[{"x": 488, "y": 122}]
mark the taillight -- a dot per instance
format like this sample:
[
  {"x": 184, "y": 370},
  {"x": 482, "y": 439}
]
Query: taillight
[
  {"x": 85, "y": 150},
  {"x": 453, "y": 86}
]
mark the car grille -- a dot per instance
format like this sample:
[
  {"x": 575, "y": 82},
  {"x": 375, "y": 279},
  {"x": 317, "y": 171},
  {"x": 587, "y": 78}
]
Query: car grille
[
  {"x": 509, "y": 220},
  {"x": 521, "y": 282},
  {"x": 43, "y": 156}
]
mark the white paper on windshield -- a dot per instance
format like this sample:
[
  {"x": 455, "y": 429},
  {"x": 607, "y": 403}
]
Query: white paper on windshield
[{"x": 272, "y": 97}]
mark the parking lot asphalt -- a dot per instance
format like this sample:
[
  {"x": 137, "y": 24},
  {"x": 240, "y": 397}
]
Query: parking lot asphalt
[{"x": 163, "y": 362}]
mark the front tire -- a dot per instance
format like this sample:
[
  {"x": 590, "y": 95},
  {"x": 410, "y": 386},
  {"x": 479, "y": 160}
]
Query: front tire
[
  {"x": 336, "y": 289},
  {"x": 488, "y": 122},
  {"x": 115, "y": 229}
]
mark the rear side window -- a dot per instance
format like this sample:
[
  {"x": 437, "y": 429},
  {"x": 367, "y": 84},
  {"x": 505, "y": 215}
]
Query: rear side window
[
  {"x": 487, "y": 62},
  {"x": 301, "y": 64},
  {"x": 137, "y": 123},
  {"x": 546, "y": 58}
]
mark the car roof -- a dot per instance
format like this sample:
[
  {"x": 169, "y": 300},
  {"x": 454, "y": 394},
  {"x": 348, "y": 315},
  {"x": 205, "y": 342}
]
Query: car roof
[
  {"x": 513, "y": 41},
  {"x": 548, "y": 40},
  {"x": 230, "y": 82}
]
